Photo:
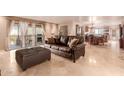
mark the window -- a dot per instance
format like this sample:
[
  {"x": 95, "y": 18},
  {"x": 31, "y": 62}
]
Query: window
[
  {"x": 99, "y": 31},
  {"x": 96, "y": 31},
  {"x": 25, "y": 34},
  {"x": 15, "y": 37}
]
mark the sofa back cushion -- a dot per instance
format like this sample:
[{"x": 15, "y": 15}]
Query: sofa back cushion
[
  {"x": 57, "y": 40},
  {"x": 64, "y": 40}
]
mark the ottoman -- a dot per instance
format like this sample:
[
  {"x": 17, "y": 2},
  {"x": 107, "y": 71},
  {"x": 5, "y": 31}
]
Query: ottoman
[{"x": 32, "y": 56}]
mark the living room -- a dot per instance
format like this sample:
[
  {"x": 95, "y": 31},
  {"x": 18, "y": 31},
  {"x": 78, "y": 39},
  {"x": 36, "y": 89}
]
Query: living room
[
  {"x": 72, "y": 45},
  {"x": 62, "y": 46}
]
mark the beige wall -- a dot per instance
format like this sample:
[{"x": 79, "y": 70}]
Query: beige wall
[
  {"x": 3, "y": 32},
  {"x": 114, "y": 29},
  {"x": 50, "y": 29},
  {"x": 71, "y": 27}
]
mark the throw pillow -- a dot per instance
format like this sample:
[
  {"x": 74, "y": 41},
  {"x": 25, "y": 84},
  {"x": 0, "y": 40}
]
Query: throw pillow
[
  {"x": 64, "y": 40},
  {"x": 51, "y": 41},
  {"x": 81, "y": 40},
  {"x": 73, "y": 43},
  {"x": 70, "y": 38}
]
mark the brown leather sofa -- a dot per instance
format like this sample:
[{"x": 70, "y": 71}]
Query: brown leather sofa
[{"x": 60, "y": 47}]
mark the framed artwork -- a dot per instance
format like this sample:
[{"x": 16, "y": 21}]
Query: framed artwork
[{"x": 63, "y": 30}]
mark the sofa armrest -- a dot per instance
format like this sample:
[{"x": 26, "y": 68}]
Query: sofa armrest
[
  {"x": 78, "y": 51},
  {"x": 78, "y": 47}
]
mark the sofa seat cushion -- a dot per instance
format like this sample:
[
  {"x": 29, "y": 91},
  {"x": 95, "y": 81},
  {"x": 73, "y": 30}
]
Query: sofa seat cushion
[
  {"x": 64, "y": 49},
  {"x": 55, "y": 47}
]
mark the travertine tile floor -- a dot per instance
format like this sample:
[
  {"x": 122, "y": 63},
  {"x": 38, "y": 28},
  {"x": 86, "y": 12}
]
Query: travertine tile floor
[{"x": 99, "y": 60}]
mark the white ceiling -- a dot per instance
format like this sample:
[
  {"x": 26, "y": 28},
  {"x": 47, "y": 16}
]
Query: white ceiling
[
  {"x": 105, "y": 20},
  {"x": 58, "y": 19}
]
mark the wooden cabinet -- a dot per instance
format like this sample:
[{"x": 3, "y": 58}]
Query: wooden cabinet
[{"x": 121, "y": 41}]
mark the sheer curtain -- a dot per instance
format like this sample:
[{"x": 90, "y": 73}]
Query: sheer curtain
[
  {"x": 43, "y": 32},
  {"x": 33, "y": 38},
  {"x": 10, "y": 27},
  {"x": 7, "y": 42},
  {"x": 23, "y": 26}
]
